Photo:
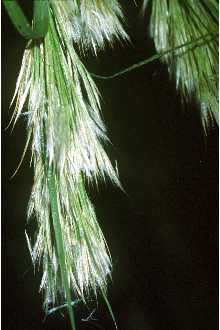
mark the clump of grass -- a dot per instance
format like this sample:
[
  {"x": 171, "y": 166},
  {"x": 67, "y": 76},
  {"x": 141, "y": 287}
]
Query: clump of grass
[
  {"x": 175, "y": 22},
  {"x": 67, "y": 134}
]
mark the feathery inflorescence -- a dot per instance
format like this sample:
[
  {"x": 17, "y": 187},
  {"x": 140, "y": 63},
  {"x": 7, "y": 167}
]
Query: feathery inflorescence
[
  {"x": 67, "y": 134},
  {"x": 195, "y": 67},
  {"x": 94, "y": 23}
]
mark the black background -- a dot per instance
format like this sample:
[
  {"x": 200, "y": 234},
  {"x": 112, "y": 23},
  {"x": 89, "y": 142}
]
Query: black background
[{"x": 163, "y": 234}]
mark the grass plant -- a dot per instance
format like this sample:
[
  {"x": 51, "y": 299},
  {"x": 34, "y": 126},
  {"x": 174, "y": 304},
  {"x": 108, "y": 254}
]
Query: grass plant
[
  {"x": 67, "y": 135},
  {"x": 66, "y": 131}
]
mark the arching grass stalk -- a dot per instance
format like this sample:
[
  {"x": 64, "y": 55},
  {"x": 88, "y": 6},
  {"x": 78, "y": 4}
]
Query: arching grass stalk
[
  {"x": 67, "y": 135},
  {"x": 175, "y": 22},
  {"x": 202, "y": 40}
]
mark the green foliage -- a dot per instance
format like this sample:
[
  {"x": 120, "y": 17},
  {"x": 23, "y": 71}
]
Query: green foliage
[{"x": 40, "y": 18}]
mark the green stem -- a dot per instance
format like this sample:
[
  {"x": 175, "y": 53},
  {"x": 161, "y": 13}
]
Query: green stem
[
  {"x": 40, "y": 18},
  {"x": 194, "y": 43},
  {"x": 59, "y": 242}
]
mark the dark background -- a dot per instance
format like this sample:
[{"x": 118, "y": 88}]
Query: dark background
[{"x": 163, "y": 234}]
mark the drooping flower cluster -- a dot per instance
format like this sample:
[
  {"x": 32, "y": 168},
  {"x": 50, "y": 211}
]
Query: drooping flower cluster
[
  {"x": 67, "y": 134},
  {"x": 174, "y": 23}
]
